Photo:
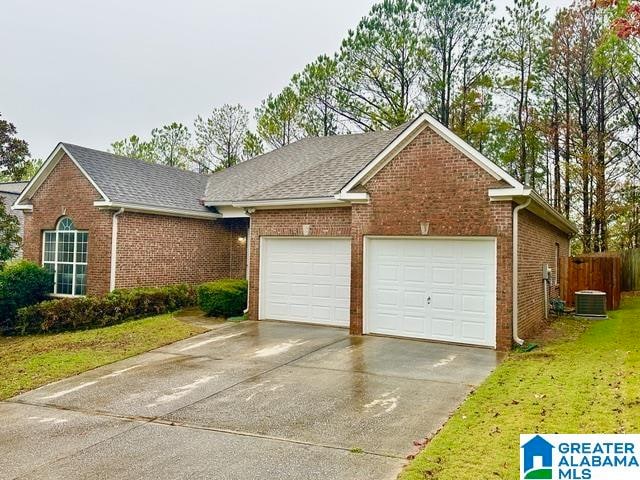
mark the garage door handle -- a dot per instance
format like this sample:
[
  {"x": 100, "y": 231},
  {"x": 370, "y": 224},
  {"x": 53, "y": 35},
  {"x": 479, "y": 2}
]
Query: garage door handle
[{"x": 428, "y": 300}]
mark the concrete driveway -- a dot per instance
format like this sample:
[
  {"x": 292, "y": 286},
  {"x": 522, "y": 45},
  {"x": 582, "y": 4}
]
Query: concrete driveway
[{"x": 260, "y": 400}]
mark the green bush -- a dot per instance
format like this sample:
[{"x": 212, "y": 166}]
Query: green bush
[
  {"x": 93, "y": 311},
  {"x": 223, "y": 298},
  {"x": 21, "y": 284}
]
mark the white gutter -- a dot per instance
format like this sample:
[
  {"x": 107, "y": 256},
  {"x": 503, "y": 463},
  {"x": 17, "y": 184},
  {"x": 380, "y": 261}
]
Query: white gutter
[
  {"x": 175, "y": 212},
  {"x": 290, "y": 203},
  {"x": 514, "y": 275},
  {"x": 540, "y": 206},
  {"x": 114, "y": 249}
]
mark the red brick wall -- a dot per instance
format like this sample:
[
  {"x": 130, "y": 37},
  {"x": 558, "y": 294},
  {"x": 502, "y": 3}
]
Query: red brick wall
[
  {"x": 428, "y": 181},
  {"x": 67, "y": 192},
  {"x": 323, "y": 222},
  {"x": 431, "y": 181},
  {"x": 238, "y": 250},
  {"x": 155, "y": 250},
  {"x": 536, "y": 247},
  {"x": 152, "y": 249}
]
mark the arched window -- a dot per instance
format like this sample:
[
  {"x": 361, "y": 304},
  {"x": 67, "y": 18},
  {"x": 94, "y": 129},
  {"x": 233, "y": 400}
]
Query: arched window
[{"x": 64, "y": 254}]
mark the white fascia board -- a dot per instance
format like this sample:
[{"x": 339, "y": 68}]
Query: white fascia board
[
  {"x": 227, "y": 211},
  {"x": 412, "y": 131},
  {"x": 291, "y": 203},
  {"x": 173, "y": 212},
  {"x": 44, "y": 171},
  {"x": 21, "y": 207},
  {"x": 352, "y": 197},
  {"x": 538, "y": 205}
]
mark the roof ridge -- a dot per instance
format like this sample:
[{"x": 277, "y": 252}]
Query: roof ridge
[
  {"x": 140, "y": 161},
  {"x": 314, "y": 137}
]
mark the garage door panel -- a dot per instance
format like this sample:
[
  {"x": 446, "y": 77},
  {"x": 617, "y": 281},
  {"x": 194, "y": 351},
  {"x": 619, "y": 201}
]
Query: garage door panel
[
  {"x": 443, "y": 301},
  {"x": 443, "y": 276},
  {"x": 343, "y": 295},
  {"x": 414, "y": 273},
  {"x": 475, "y": 278},
  {"x": 443, "y": 328},
  {"x": 473, "y": 332},
  {"x": 414, "y": 299},
  {"x": 296, "y": 268},
  {"x": 414, "y": 323},
  {"x": 458, "y": 275},
  {"x": 388, "y": 298},
  {"x": 388, "y": 272},
  {"x": 474, "y": 304},
  {"x": 443, "y": 253},
  {"x": 306, "y": 280},
  {"x": 280, "y": 288}
]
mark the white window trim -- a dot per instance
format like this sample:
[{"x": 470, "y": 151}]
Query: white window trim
[{"x": 56, "y": 262}]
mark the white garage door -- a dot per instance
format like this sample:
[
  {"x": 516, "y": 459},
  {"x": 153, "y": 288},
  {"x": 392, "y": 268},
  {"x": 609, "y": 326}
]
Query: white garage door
[
  {"x": 437, "y": 289},
  {"x": 305, "y": 280}
]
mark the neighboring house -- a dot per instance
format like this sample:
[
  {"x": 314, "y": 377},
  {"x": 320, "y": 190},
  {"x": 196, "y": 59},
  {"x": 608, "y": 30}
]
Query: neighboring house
[
  {"x": 408, "y": 232},
  {"x": 10, "y": 192}
]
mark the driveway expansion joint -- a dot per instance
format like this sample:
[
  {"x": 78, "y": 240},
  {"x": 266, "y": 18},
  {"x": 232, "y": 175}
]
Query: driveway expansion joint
[{"x": 171, "y": 423}]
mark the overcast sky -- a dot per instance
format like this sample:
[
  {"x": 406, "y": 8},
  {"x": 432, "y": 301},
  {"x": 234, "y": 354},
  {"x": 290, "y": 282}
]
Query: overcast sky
[{"x": 91, "y": 72}]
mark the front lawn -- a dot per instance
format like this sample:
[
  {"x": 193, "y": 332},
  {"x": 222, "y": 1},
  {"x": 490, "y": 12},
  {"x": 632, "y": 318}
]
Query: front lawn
[
  {"x": 30, "y": 361},
  {"x": 586, "y": 379}
]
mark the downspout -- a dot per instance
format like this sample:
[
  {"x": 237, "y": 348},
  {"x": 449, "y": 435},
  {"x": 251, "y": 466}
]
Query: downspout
[
  {"x": 114, "y": 249},
  {"x": 514, "y": 275},
  {"x": 248, "y": 255}
]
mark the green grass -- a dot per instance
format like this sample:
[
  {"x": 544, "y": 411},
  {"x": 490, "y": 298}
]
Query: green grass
[
  {"x": 31, "y": 361},
  {"x": 585, "y": 379}
]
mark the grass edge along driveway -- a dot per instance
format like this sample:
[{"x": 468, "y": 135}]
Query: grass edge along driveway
[
  {"x": 585, "y": 379},
  {"x": 28, "y": 362}
]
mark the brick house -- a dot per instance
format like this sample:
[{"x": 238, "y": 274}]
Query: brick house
[{"x": 408, "y": 232}]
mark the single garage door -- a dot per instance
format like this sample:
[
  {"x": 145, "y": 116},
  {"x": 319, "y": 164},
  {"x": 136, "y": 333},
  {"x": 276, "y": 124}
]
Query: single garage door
[
  {"x": 437, "y": 289},
  {"x": 305, "y": 280}
]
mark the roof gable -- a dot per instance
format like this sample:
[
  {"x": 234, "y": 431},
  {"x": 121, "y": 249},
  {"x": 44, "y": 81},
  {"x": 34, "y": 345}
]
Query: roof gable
[
  {"x": 121, "y": 180},
  {"x": 408, "y": 135}
]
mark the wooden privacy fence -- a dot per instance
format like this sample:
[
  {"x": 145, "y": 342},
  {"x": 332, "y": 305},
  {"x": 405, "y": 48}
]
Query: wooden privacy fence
[
  {"x": 591, "y": 272},
  {"x": 630, "y": 270}
]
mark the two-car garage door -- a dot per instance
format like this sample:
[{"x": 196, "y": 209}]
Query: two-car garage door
[{"x": 438, "y": 289}]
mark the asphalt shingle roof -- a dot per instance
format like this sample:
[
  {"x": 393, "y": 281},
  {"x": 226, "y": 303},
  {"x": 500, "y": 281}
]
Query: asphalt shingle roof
[
  {"x": 310, "y": 168},
  {"x": 128, "y": 180},
  {"x": 13, "y": 187}
]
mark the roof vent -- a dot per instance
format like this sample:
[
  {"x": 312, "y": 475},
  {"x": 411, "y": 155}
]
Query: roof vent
[{"x": 591, "y": 303}]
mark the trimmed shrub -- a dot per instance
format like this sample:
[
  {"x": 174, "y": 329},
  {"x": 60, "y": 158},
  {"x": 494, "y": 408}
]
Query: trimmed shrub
[
  {"x": 21, "y": 284},
  {"x": 223, "y": 298},
  {"x": 93, "y": 312}
]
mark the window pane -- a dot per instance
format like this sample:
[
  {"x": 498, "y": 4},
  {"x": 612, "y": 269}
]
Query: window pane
[
  {"x": 66, "y": 224},
  {"x": 81, "y": 279},
  {"x": 64, "y": 279},
  {"x": 65, "y": 246},
  {"x": 49, "y": 246},
  {"x": 81, "y": 247}
]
